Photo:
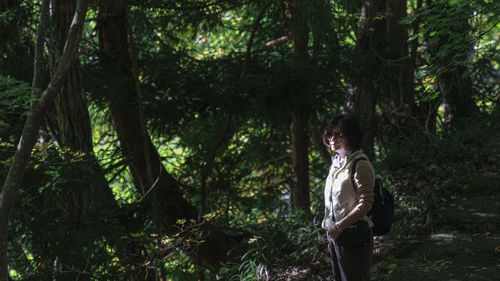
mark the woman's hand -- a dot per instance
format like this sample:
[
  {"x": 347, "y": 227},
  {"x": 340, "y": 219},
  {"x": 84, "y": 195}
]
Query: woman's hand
[{"x": 335, "y": 231}]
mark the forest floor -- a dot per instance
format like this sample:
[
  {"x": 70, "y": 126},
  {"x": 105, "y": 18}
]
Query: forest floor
[
  {"x": 464, "y": 242},
  {"x": 461, "y": 243}
]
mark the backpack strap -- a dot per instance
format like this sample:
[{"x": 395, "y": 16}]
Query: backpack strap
[{"x": 353, "y": 169}]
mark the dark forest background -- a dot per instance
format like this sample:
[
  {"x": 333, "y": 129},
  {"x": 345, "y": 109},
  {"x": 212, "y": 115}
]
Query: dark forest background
[{"x": 181, "y": 140}]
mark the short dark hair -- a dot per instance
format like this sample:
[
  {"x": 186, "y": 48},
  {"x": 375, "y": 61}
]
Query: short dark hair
[{"x": 349, "y": 126}]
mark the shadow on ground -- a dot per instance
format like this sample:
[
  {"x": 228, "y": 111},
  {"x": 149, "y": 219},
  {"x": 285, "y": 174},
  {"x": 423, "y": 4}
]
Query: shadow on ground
[{"x": 464, "y": 243}]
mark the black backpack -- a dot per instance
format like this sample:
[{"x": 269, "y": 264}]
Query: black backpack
[{"x": 382, "y": 211}]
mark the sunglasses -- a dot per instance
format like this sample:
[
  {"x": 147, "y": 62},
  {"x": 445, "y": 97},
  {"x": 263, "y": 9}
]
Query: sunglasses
[{"x": 335, "y": 135}]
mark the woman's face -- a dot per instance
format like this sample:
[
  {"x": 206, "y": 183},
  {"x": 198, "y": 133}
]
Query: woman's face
[{"x": 337, "y": 141}]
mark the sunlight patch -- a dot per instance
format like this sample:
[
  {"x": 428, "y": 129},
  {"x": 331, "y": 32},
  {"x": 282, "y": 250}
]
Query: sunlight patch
[
  {"x": 443, "y": 236},
  {"x": 485, "y": 215}
]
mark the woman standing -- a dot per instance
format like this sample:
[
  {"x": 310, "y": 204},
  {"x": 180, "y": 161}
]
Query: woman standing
[{"x": 348, "y": 199}]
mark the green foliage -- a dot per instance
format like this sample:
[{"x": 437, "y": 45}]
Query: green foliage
[
  {"x": 63, "y": 226},
  {"x": 276, "y": 242},
  {"x": 16, "y": 31},
  {"x": 108, "y": 154},
  {"x": 15, "y": 97},
  {"x": 458, "y": 36}
]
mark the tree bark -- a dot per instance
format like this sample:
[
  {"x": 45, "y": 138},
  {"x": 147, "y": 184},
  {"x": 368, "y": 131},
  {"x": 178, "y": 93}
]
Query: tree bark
[
  {"x": 300, "y": 160},
  {"x": 300, "y": 116},
  {"x": 457, "y": 91},
  {"x": 68, "y": 118},
  {"x": 400, "y": 80},
  {"x": 363, "y": 93},
  {"x": 30, "y": 132},
  {"x": 363, "y": 98},
  {"x": 39, "y": 43}
]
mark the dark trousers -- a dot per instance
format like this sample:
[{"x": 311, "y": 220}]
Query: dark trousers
[{"x": 350, "y": 264}]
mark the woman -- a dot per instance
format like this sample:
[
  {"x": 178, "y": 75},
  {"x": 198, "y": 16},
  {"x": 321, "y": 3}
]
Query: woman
[{"x": 348, "y": 199}]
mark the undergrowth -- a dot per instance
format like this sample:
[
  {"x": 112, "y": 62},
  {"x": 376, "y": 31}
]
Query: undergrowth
[
  {"x": 279, "y": 244},
  {"x": 423, "y": 170}
]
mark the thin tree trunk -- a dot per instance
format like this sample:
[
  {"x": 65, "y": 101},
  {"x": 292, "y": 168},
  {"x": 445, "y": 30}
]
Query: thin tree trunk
[
  {"x": 40, "y": 37},
  {"x": 300, "y": 160},
  {"x": 300, "y": 115},
  {"x": 30, "y": 132}
]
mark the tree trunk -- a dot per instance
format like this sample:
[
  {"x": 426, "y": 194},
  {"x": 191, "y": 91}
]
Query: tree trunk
[
  {"x": 68, "y": 121},
  {"x": 38, "y": 61},
  {"x": 300, "y": 160},
  {"x": 400, "y": 80},
  {"x": 68, "y": 118},
  {"x": 158, "y": 187},
  {"x": 454, "y": 84},
  {"x": 300, "y": 116},
  {"x": 124, "y": 115},
  {"x": 363, "y": 98},
  {"x": 363, "y": 93},
  {"x": 457, "y": 91},
  {"x": 457, "y": 88},
  {"x": 30, "y": 132}
]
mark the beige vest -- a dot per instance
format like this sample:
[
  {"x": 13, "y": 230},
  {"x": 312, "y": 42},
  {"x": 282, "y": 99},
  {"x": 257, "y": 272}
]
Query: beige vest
[{"x": 340, "y": 194}]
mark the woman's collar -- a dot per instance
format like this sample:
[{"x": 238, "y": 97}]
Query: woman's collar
[{"x": 339, "y": 161}]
